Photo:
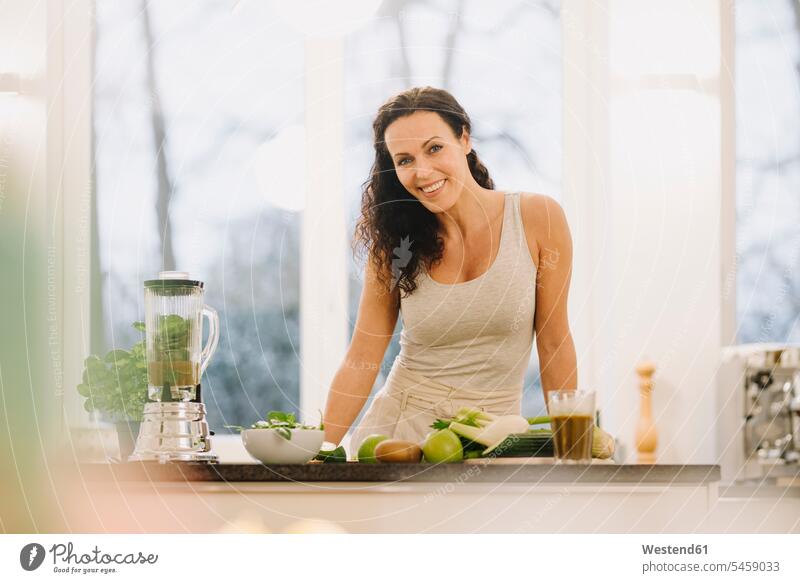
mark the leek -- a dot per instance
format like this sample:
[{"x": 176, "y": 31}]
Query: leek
[
  {"x": 486, "y": 429},
  {"x": 514, "y": 433}
]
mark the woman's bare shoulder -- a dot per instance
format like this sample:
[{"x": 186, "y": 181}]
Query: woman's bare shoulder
[{"x": 544, "y": 221}]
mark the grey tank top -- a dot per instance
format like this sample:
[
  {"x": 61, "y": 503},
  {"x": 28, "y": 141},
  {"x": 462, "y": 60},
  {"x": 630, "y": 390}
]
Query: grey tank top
[{"x": 479, "y": 333}]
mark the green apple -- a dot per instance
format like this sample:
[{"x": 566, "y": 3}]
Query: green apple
[
  {"x": 366, "y": 451},
  {"x": 442, "y": 446}
]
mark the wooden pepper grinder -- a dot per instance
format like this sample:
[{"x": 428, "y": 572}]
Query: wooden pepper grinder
[{"x": 646, "y": 434}]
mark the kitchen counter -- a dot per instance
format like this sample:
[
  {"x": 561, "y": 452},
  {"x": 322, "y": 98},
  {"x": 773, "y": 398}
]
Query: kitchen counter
[
  {"x": 535, "y": 471},
  {"x": 535, "y": 496}
]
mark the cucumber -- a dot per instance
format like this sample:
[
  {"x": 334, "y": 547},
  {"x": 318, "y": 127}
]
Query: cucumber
[{"x": 530, "y": 444}]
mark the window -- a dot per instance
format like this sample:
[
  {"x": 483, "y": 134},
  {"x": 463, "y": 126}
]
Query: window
[
  {"x": 501, "y": 61},
  {"x": 198, "y": 130},
  {"x": 190, "y": 100},
  {"x": 768, "y": 170}
]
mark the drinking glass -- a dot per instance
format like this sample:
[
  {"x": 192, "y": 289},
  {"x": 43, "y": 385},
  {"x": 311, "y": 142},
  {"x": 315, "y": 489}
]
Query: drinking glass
[{"x": 572, "y": 422}]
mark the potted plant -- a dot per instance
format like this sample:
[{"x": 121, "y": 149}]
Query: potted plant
[{"x": 116, "y": 387}]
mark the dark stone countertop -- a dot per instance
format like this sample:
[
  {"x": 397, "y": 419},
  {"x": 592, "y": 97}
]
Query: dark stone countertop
[{"x": 545, "y": 473}]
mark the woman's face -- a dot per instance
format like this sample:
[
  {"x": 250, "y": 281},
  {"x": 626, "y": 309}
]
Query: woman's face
[{"x": 429, "y": 160}]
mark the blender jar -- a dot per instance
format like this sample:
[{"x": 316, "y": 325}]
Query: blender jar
[{"x": 174, "y": 311}]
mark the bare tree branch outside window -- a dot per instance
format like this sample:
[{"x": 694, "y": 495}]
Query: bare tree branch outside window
[
  {"x": 768, "y": 171},
  {"x": 160, "y": 138}
]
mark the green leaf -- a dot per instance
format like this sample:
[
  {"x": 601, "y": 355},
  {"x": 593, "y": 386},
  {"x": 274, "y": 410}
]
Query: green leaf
[
  {"x": 337, "y": 455},
  {"x": 97, "y": 378},
  {"x": 116, "y": 356},
  {"x": 139, "y": 326},
  {"x": 440, "y": 424},
  {"x": 94, "y": 371},
  {"x": 281, "y": 416},
  {"x": 92, "y": 362},
  {"x": 117, "y": 384}
]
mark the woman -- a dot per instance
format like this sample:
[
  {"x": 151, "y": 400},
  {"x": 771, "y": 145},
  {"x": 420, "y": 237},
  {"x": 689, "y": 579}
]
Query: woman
[{"x": 475, "y": 272}]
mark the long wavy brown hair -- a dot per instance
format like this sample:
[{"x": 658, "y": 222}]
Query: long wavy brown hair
[{"x": 399, "y": 235}]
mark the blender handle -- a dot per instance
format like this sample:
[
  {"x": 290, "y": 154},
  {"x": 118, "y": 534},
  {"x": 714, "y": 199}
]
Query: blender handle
[{"x": 213, "y": 337}]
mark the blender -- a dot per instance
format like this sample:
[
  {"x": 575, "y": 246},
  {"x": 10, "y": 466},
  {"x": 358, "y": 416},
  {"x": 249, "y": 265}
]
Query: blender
[{"x": 174, "y": 427}]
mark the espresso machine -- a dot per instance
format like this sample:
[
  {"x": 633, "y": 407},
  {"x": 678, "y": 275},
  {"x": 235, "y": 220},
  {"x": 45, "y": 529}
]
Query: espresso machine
[
  {"x": 772, "y": 406},
  {"x": 174, "y": 427}
]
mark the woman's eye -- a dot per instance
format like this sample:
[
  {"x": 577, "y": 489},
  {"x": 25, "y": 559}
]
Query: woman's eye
[{"x": 404, "y": 160}]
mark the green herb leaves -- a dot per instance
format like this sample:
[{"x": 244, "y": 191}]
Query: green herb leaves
[
  {"x": 465, "y": 416},
  {"x": 336, "y": 456},
  {"x": 116, "y": 384},
  {"x": 281, "y": 421}
]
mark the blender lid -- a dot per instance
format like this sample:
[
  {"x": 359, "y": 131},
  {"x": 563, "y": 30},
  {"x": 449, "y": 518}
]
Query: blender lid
[{"x": 169, "y": 279}]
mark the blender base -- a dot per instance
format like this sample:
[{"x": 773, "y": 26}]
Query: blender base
[{"x": 175, "y": 431}]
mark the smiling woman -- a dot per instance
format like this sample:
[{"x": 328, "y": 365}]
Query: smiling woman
[
  {"x": 464, "y": 265},
  {"x": 510, "y": 80},
  {"x": 399, "y": 177}
]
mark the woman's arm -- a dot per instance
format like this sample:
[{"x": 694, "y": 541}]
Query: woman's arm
[
  {"x": 377, "y": 316},
  {"x": 549, "y": 239}
]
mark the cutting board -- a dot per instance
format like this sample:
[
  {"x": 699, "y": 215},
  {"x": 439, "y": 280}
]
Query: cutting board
[{"x": 525, "y": 461}]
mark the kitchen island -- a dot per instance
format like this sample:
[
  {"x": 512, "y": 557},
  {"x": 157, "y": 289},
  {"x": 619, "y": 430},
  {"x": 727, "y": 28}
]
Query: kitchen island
[{"x": 536, "y": 496}]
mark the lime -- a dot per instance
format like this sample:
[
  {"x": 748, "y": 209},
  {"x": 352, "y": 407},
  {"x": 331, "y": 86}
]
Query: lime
[
  {"x": 366, "y": 452},
  {"x": 443, "y": 446}
]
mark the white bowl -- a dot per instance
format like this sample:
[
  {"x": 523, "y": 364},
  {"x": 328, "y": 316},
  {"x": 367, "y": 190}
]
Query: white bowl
[{"x": 268, "y": 447}]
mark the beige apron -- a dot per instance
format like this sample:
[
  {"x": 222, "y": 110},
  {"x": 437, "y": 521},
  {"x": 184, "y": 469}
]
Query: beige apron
[{"x": 408, "y": 403}]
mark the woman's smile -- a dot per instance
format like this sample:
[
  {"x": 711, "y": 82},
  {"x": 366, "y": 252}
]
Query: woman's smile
[{"x": 433, "y": 189}]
